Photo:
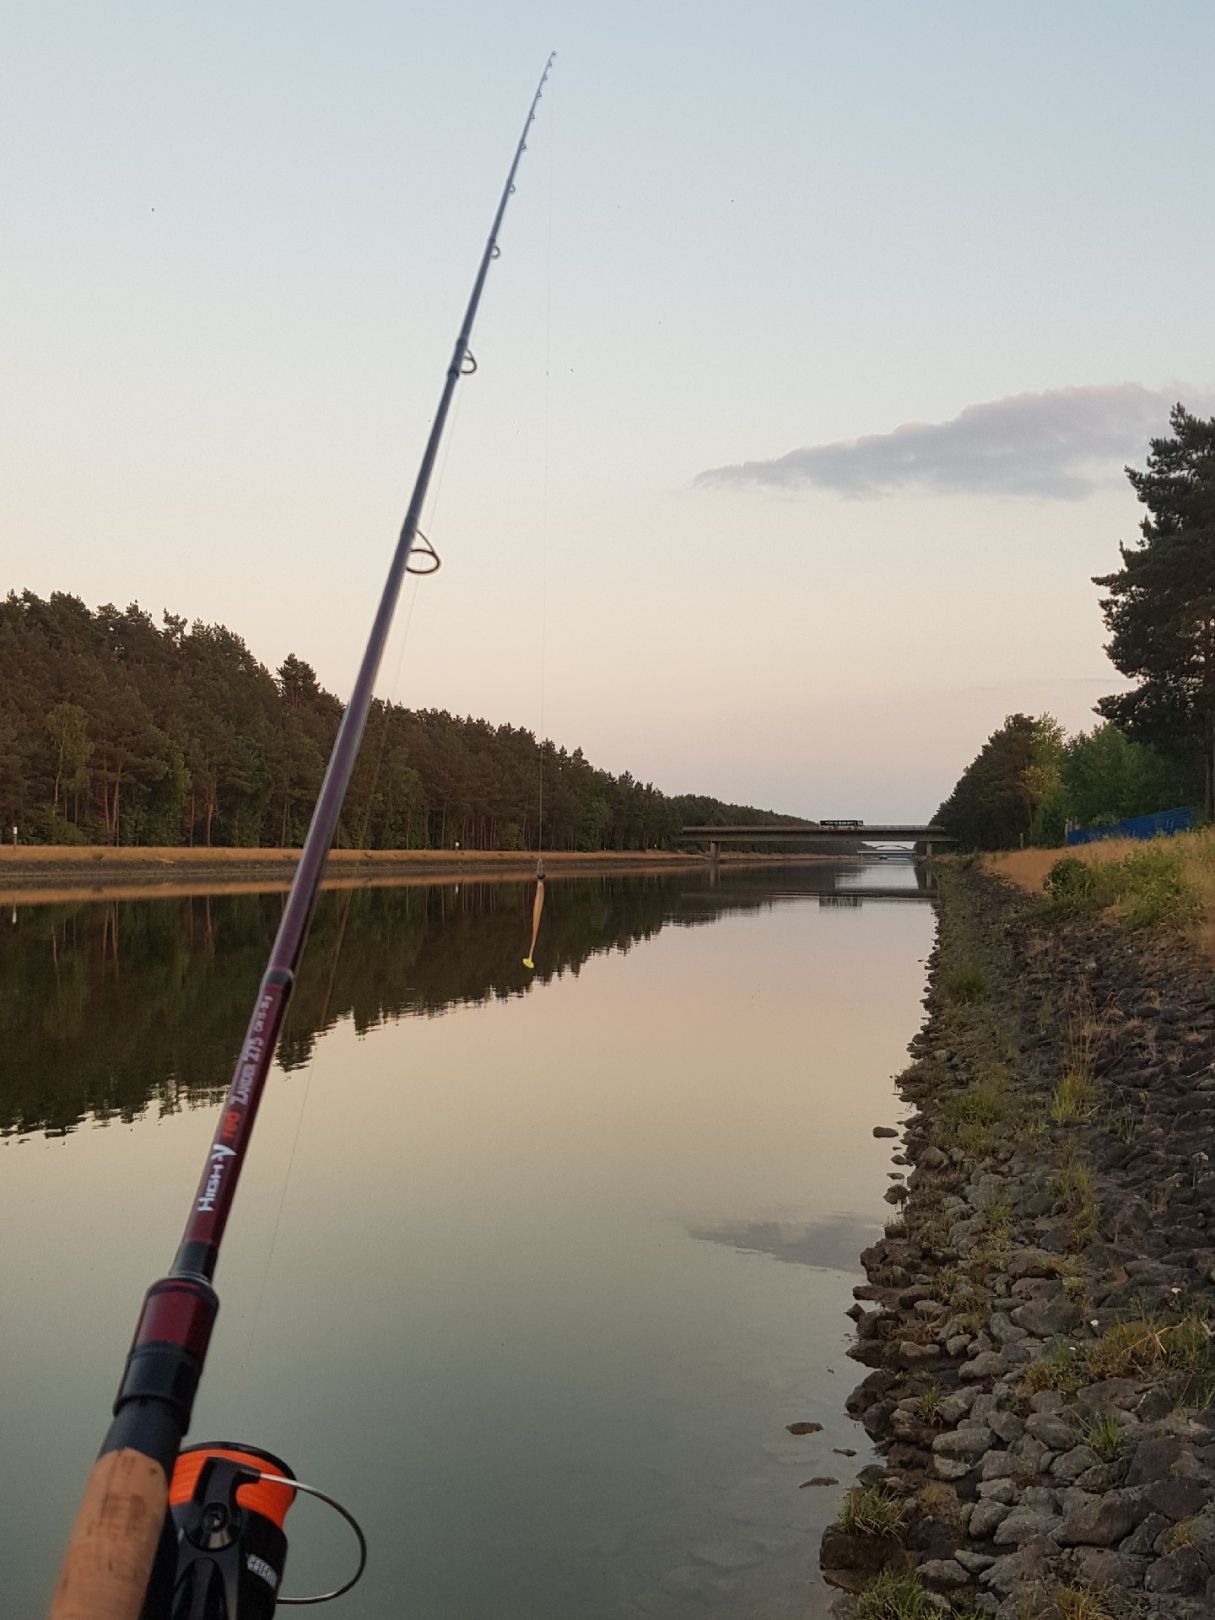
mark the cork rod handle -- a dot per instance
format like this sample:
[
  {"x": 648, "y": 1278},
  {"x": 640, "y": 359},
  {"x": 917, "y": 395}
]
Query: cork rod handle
[{"x": 110, "y": 1555}]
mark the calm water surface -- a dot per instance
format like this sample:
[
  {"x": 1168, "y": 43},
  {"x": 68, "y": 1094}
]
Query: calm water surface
[{"x": 531, "y": 1271}]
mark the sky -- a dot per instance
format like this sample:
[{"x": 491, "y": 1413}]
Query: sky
[{"x": 821, "y": 335}]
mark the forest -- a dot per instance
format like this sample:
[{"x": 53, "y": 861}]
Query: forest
[
  {"x": 117, "y": 730},
  {"x": 1155, "y": 749}
]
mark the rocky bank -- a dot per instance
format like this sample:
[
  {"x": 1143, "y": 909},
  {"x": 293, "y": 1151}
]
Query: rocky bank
[{"x": 1038, "y": 1318}]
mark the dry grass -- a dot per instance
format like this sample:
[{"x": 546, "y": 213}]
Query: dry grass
[{"x": 1194, "y": 852}]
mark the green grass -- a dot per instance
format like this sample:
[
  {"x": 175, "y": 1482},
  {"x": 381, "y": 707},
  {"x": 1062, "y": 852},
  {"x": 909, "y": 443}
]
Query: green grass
[
  {"x": 1073, "y": 1098},
  {"x": 1062, "y": 1368},
  {"x": 928, "y": 1405},
  {"x": 1078, "y": 1603},
  {"x": 1076, "y": 1187},
  {"x": 1177, "y": 1353},
  {"x": 1104, "y": 1436},
  {"x": 894, "y": 1597},
  {"x": 964, "y": 983},
  {"x": 1148, "y": 888},
  {"x": 871, "y": 1510}
]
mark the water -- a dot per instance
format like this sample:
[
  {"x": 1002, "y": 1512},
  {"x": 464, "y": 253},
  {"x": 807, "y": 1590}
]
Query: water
[{"x": 532, "y": 1271}]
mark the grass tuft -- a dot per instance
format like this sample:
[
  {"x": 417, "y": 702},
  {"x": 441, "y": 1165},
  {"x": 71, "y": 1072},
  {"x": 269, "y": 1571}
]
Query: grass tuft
[
  {"x": 1177, "y": 1353},
  {"x": 1062, "y": 1368},
  {"x": 894, "y": 1597},
  {"x": 964, "y": 983},
  {"x": 871, "y": 1510},
  {"x": 1104, "y": 1436},
  {"x": 1079, "y": 1603},
  {"x": 1073, "y": 1098}
]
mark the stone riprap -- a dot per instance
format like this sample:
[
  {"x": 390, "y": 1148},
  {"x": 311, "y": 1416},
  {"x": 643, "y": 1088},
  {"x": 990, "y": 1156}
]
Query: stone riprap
[{"x": 1036, "y": 1318}]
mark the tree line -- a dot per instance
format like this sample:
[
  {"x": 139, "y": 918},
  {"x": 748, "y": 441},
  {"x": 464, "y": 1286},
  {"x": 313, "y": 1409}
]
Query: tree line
[
  {"x": 1156, "y": 746},
  {"x": 117, "y": 730}
]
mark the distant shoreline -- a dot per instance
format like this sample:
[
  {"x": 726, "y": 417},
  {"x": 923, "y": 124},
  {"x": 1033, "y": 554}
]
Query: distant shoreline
[{"x": 32, "y": 874}]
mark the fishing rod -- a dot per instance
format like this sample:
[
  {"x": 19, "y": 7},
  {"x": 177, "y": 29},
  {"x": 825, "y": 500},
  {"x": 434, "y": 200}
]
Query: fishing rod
[{"x": 218, "y": 1554}]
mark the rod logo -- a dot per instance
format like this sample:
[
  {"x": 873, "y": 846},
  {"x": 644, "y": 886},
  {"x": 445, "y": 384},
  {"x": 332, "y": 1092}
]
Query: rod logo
[{"x": 219, "y": 1156}]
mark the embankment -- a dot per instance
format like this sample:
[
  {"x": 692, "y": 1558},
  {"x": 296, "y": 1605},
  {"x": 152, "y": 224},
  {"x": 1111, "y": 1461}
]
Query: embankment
[
  {"x": 1038, "y": 1318},
  {"x": 31, "y": 873}
]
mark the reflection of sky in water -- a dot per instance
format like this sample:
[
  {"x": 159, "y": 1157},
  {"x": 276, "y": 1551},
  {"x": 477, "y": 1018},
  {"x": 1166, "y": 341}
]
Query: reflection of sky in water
[
  {"x": 829, "y": 1245},
  {"x": 482, "y": 1320}
]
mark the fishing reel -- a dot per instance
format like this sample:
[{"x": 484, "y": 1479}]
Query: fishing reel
[{"x": 225, "y": 1548}]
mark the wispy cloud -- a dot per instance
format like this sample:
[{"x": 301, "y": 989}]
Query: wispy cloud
[{"x": 1061, "y": 444}]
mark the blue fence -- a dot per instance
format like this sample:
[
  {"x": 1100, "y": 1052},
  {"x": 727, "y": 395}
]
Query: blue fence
[{"x": 1160, "y": 825}]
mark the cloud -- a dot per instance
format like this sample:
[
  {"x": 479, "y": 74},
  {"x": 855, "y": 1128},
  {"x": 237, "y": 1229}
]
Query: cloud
[{"x": 1062, "y": 445}]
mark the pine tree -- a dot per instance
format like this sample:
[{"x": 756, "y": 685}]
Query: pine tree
[{"x": 1160, "y": 610}]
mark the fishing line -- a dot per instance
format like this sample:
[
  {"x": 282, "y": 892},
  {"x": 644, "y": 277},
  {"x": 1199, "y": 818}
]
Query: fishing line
[{"x": 538, "y": 900}]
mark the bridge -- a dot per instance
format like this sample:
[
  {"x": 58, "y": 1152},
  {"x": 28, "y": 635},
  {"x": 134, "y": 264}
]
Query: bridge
[{"x": 818, "y": 835}]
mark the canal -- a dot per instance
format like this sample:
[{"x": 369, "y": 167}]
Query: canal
[{"x": 532, "y": 1271}]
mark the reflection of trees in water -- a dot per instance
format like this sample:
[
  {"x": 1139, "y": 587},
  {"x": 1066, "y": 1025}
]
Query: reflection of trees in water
[{"x": 108, "y": 1007}]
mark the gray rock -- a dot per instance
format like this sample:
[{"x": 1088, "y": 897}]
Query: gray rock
[
  {"x": 958, "y": 1344},
  {"x": 1096, "y": 1399},
  {"x": 987, "y": 1364},
  {"x": 1070, "y": 1465},
  {"x": 933, "y": 1159},
  {"x": 955, "y": 1407},
  {"x": 1181, "y": 1573},
  {"x": 1032, "y": 1263},
  {"x": 1051, "y": 1429},
  {"x": 998, "y": 1490},
  {"x": 1102, "y": 1520},
  {"x": 952, "y": 1468},
  {"x": 1142, "y": 1541},
  {"x": 985, "y": 1517},
  {"x": 1028, "y": 1564},
  {"x": 999, "y": 1465},
  {"x": 1039, "y": 1496},
  {"x": 1004, "y": 1331},
  {"x": 1154, "y": 1459},
  {"x": 1047, "y": 1400},
  {"x": 943, "y": 1573},
  {"x": 964, "y": 1442},
  {"x": 884, "y": 1130},
  {"x": 975, "y": 1562},
  {"x": 1101, "y": 1477},
  {"x": 929, "y": 1308},
  {"x": 910, "y": 1353},
  {"x": 1174, "y": 1498},
  {"x": 1025, "y": 1524},
  {"x": 1006, "y": 1426},
  {"x": 1031, "y": 1455},
  {"x": 1103, "y": 1567},
  {"x": 1046, "y": 1317}
]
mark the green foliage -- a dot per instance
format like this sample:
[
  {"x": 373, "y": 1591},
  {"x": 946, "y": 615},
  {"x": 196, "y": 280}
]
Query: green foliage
[
  {"x": 871, "y": 1510},
  {"x": 1160, "y": 610},
  {"x": 1177, "y": 1352},
  {"x": 963, "y": 982},
  {"x": 116, "y": 730},
  {"x": 1063, "y": 1368},
  {"x": 1076, "y": 1188},
  {"x": 995, "y": 800},
  {"x": 1104, "y": 1436},
  {"x": 1150, "y": 886},
  {"x": 1106, "y": 777},
  {"x": 1073, "y": 1098},
  {"x": 890, "y": 1596}
]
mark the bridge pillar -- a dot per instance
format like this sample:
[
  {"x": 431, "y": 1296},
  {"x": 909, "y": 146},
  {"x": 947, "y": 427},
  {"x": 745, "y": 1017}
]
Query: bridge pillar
[{"x": 714, "y": 851}]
